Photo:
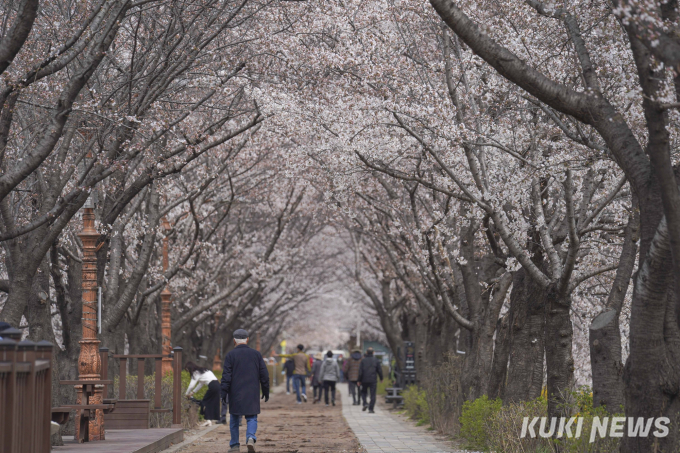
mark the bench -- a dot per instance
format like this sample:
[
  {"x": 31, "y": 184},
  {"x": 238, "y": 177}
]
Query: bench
[
  {"x": 130, "y": 414},
  {"x": 84, "y": 412},
  {"x": 60, "y": 415}
]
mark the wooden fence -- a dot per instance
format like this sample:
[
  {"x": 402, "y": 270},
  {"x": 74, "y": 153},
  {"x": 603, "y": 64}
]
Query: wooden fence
[
  {"x": 25, "y": 396},
  {"x": 134, "y": 414}
]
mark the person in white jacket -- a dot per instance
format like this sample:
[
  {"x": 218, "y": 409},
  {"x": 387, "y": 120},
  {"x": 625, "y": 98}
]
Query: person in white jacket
[
  {"x": 329, "y": 374},
  {"x": 210, "y": 404}
]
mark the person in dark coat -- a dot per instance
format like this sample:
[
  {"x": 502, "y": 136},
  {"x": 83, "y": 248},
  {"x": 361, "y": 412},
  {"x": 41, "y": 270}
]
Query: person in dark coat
[
  {"x": 289, "y": 368},
  {"x": 351, "y": 369},
  {"x": 369, "y": 370},
  {"x": 244, "y": 374}
]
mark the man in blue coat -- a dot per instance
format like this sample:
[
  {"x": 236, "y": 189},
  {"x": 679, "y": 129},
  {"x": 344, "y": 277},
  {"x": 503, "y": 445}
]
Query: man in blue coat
[{"x": 244, "y": 368}]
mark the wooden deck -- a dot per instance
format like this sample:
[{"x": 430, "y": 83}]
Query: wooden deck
[{"x": 126, "y": 441}]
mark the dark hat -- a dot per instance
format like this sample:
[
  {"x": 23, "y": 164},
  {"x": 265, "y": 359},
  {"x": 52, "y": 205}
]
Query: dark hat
[
  {"x": 240, "y": 334},
  {"x": 4, "y": 325}
]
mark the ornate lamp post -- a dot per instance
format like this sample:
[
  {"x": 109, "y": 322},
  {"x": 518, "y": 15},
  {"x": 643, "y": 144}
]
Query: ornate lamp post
[
  {"x": 89, "y": 362},
  {"x": 166, "y": 297},
  {"x": 217, "y": 360}
]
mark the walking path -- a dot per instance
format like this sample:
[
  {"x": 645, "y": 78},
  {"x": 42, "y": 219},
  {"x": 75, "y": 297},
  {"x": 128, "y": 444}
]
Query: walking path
[
  {"x": 285, "y": 427},
  {"x": 383, "y": 432}
]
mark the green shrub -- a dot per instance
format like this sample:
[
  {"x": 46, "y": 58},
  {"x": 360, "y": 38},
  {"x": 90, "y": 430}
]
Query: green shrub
[
  {"x": 473, "y": 421},
  {"x": 580, "y": 404},
  {"x": 415, "y": 404}
]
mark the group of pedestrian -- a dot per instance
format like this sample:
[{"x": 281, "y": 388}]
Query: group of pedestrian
[
  {"x": 362, "y": 373},
  {"x": 244, "y": 378}
]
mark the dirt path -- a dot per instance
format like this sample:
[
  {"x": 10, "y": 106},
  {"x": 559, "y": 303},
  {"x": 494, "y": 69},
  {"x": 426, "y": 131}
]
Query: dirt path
[{"x": 286, "y": 427}]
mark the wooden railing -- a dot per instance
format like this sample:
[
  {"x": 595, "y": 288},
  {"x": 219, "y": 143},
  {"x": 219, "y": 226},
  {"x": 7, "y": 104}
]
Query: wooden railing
[
  {"x": 25, "y": 396},
  {"x": 125, "y": 406}
]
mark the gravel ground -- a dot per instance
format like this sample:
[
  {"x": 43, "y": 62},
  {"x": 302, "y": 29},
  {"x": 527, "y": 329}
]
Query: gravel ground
[{"x": 286, "y": 427}]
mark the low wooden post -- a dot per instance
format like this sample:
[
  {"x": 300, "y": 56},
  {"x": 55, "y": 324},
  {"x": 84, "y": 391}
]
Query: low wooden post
[
  {"x": 8, "y": 422},
  {"x": 123, "y": 378},
  {"x": 157, "y": 388},
  {"x": 104, "y": 353},
  {"x": 140, "y": 378},
  {"x": 177, "y": 388},
  {"x": 44, "y": 403}
]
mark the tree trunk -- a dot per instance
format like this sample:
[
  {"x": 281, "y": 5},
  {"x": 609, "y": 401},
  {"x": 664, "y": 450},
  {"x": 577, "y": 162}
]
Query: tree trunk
[
  {"x": 448, "y": 341},
  {"x": 204, "y": 358},
  {"x": 559, "y": 334},
  {"x": 141, "y": 341},
  {"x": 527, "y": 322},
  {"x": 21, "y": 280},
  {"x": 479, "y": 361},
  {"x": 651, "y": 372},
  {"x": 421, "y": 341},
  {"x": 68, "y": 300},
  {"x": 499, "y": 368},
  {"x": 39, "y": 317},
  {"x": 605, "y": 360},
  {"x": 605, "y": 336},
  {"x": 433, "y": 348},
  {"x": 114, "y": 340},
  {"x": 474, "y": 377}
]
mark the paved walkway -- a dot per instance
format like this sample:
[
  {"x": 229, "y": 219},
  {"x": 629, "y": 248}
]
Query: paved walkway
[{"x": 383, "y": 432}]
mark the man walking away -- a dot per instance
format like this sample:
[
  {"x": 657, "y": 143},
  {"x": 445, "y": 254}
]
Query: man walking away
[
  {"x": 351, "y": 370},
  {"x": 369, "y": 370},
  {"x": 243, "y": 369},
  {"x": 316, "y": 378},
  {"x": 288, "y": 367},
  {"x": 302, "y": 367},
  {"x": 330, "y": 374}
]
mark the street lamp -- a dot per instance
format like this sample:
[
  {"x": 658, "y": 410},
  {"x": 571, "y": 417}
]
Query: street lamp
[
  {"x": 166, "y": 297},
  {"x": 89, "y": 362}
]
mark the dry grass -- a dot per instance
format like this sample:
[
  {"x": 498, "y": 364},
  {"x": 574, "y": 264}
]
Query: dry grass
[{"x": 442, "y": 393}]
